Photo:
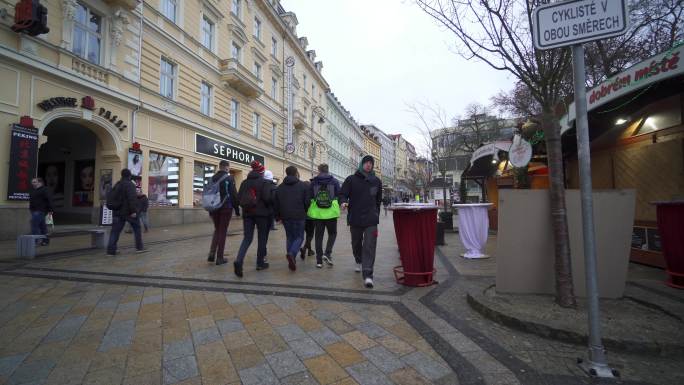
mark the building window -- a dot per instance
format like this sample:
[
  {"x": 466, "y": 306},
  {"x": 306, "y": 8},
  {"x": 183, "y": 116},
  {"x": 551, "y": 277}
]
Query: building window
[
  {"x": 274, "y": 47},
  {"x": 257, "y": 28},
  {"x": 304, "y": 80},
  {"x": 87, "y": 34},
  {"x": 236, "y": 52},
  {"x": 257, "y": 70},
  {"x": 167, "y": 79},
  {"x": 206, "y": 98},
  {"x": 274, "y": 134},
  {"x": 313, "y": 90},
  {"x": 164, "y": 179},
  {"x": 202, "y": 174},
  {"x": 207, "y": 33},
  {"x": 236, "y": 8},
  {"x": 234, "y": 113},
  {"x": 274, "y": 88},
  {"x": 169, "y": 9},
  {"x": 256, "y": 125}
]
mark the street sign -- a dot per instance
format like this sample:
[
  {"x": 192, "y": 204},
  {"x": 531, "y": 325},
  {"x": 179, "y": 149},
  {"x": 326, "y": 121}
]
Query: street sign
[{"x": 577, "y": 21}]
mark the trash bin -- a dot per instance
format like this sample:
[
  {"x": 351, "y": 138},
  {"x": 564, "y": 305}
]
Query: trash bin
[
  {"x": 671, "y": 229},
  {"x": 447, "y": 218},
  {"x": 415, "y": 227}
]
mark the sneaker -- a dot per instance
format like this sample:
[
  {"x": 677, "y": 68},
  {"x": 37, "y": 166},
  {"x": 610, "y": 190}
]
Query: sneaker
[
  {"x": 328, "y": 260},
  {"x": 291, "y": 262},
  {"x": 140, "y": 251},
  {"x": 221, "y": 261},
  {"x": 311, "y": 253},
  {"x": 211, "y": 257},
  {"x": 302, "y": 255},
  {"x": 319, "y": 265},
  {"x": 238, "y": 269},
  {"x": 368, "y": 282},
  {"x": 357, "y": 268},
  {"x": 263, "y": 266}
]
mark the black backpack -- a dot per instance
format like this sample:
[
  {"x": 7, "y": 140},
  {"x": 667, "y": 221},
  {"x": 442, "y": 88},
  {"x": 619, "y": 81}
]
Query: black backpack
[
  {"x": 115, "y": 197},
  {"x": 323, "y": 196}
]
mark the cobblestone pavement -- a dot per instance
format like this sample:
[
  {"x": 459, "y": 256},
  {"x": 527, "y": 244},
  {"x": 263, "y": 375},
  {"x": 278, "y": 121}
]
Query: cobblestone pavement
[{"x": 167, "y": 316}]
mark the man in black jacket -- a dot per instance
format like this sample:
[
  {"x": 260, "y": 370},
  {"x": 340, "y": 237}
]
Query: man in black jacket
[
  {"x": 291, "y": 201},
  {"x": 40, "y": 204},
  {"x": 362, "y": 194},
  {"x": 221, "y": 216},
  {"x": 124, "y": 191},
  {"x": 255, "y": 198}
]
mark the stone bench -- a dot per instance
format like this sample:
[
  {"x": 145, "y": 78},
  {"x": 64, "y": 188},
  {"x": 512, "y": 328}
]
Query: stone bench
[{"x": 26, "y": 244}]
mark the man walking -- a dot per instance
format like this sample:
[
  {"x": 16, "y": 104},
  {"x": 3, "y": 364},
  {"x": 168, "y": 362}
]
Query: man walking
[
  {"x": 309, "y": 228},
  {"x": 324, "y": 210},
  {"x": 40, "y": 205},
  {"x": 221, "y": 216},
  {"x": 123, "y": 202},
  {"x": 291, "y": 201},
  {"x": 254, "y": 198},
  {"x": 362, "y": 194}
]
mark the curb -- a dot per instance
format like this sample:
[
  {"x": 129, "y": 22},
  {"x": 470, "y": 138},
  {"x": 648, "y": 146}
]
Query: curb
[{"x": 549, "y": 332}]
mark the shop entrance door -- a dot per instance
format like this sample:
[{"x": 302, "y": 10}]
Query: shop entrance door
[{"x": 66, "y": 162}]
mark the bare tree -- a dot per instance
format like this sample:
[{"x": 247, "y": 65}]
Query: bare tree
[
  {"x": 656, "y": 25},
  {"x": 433, "y": 125},
  {"x": 477, "y": 127},
  {"x": 497, "y": 32}
]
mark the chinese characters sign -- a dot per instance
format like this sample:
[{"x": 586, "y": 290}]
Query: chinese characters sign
[{"x": 23, "y": 161}]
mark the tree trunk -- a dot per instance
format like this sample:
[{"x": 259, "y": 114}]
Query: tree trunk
[{"x": 563, "y": 269}]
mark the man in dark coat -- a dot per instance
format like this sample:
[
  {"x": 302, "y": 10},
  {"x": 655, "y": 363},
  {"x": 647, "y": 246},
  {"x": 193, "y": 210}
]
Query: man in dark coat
[
  {"x": 221, "y": 216},
  {"x": 40, "y": 204},
  {"x": 291, "y": 201},
  {"x": 255, "y": 197},
  {"x": 362, "y": 194},
  {"x": 125, "y": 192}
]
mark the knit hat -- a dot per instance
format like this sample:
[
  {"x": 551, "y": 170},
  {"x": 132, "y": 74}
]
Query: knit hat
[
  {"x": 268, "y": 175},
  {"x": 368, "y": 158},
  {"x": 258, "y": 167}
]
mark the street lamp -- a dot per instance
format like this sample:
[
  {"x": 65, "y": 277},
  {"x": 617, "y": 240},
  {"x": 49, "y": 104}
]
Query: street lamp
[{"x": 315, "y": 146}]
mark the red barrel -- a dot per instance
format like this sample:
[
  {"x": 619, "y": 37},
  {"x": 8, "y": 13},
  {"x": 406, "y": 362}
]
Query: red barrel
[
  {"x": 671, "y": 230},
  {"x": 415, "y": 229}
]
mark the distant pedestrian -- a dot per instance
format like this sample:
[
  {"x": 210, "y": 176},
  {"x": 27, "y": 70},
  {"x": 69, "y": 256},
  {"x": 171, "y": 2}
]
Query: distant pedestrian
[
  {"x": 362, "y": 194},
  {"x": 221, "y": 216},
  {"x": 143, "y": 206},
  {"x": 291, "y": 202},
  {"x": 268, "y": 175},
  {"x": 254, "y": 198},
  {"x": 309, "y": 229},
  {"x": 123, "y": 201},
  {"x": 40, "y": 205},
  {"x": 385, "y": 203},
  {"x": 324, "y": 209}
]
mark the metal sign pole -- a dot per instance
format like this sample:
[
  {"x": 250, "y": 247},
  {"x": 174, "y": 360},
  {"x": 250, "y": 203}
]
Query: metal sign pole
[{"x": 596, "y": 365}]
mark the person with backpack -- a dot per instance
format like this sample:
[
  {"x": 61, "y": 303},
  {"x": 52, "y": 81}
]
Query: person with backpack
[
  {"x": 291, "y": 201},
  {"x": 219, "y": 198},
  {"x": 362, "y": 194},
  {"x": 122, "y": 200},
  {"x": 254, "y": 198},
  {"x": 324, "y": 210},
  {"x": 40, "y": 205}
]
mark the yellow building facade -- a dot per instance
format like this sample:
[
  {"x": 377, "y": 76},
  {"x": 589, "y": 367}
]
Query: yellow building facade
[{"x": 166, "y": 88}]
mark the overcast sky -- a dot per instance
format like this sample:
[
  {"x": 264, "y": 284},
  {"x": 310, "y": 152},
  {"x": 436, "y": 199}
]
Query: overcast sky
[{"x": 379, "y": 55}]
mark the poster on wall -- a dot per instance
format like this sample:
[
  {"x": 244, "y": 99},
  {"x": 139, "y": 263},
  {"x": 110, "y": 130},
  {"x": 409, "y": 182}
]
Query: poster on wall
[
  {"x": 84, "y": 183},
  {"x": 135, "y": 162},
  {"x": 53, "y": 174},
  {"x": 22, "y": 162},
  {"x": 163, "y": 180},
  {"x": 105, "y": 183}
]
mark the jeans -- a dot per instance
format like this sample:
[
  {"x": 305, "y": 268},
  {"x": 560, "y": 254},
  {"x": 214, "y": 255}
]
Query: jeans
[
  {"x": 294, "y": 232},
  {"x": 38, "y": 226},
  {"x": 143, "y": 219},
  {"x": 221, "y": 219},
  {"x": 263, "y": 228},
  {"x": 118, "y": 224},
  {"x": 364, "y": 242},
  {"x": 321, "y": 226}
]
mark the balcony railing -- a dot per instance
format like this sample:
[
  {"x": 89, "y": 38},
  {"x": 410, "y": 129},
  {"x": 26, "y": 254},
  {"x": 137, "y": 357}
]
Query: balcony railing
[
  {"x": 89, "y": 70},
  {"x": 126, "y": 4},
  {"x": 240, "y": 78}
]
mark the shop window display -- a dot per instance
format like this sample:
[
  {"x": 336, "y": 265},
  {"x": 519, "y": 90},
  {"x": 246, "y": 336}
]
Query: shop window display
[
  {"x": 202, "y": 173},
  {"x": 164, "y": 179}
]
